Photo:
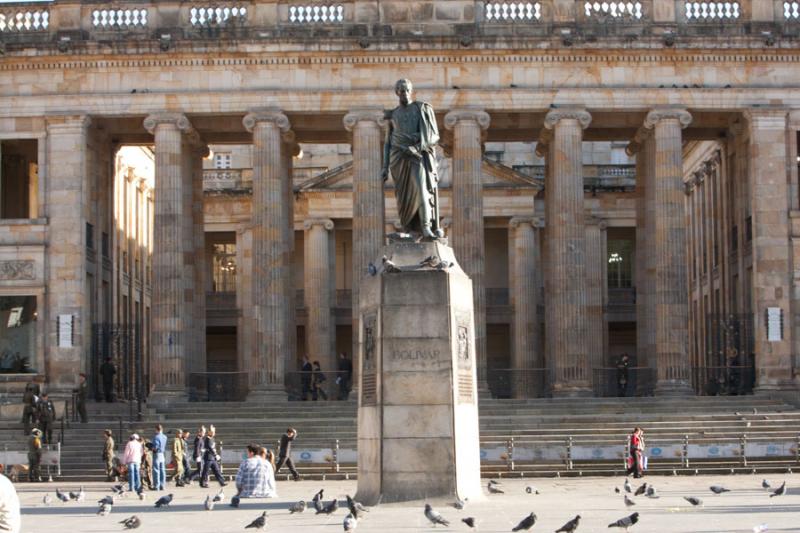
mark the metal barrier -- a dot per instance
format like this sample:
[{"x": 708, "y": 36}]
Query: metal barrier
[
  {"x": 51, "y": 459},
  {"x": 631, "y": 381}
]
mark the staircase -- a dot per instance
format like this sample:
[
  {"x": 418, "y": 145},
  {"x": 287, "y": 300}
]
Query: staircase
[{"x": 541, "y": 437}]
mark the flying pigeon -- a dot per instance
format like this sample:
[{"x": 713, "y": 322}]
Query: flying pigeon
[
  {"x": 209, "y": 503},
  {"x": 626, "y": 522},
  {"x": 530, "y": 489},
  {"x": 765, "y": 484},
  {"x": 627, "y": 485},
  {"x": 104, "y": 509},
  {"x": 780, "y": 491},
  {"x": 46, "y": 499},
  {"x": 298, "y": 507},
  {"x": 220, "y": 497},
  {"x": 694, "y": 501},
  {"x": 318, "y": 501},
  {"x": 570, "y": 526},
  {"x": 132, "y": 522},
  {"x": 470, "y": 521},
  {"x": 628, "y": 501},
  {"x": 61, "y": 496},
  {"x": 717, "y": 489},
  {"x": 350, "y": 523},
  {"x": 389, "y": 267},
  {"x": 526, "y": 523},
  {"x": 164, "y": 501},
  {"x": 258, "y": 523},
  {"x": 356, "y": 509},
  {"x": 494, "y": 488},
  {"x": 641, "y": 490},
  {"x": 434, "y": 517},
  {"x": 330, "y": 508},
  {"x": 460, "y": 504},
  {"x": 108, "y": 499}
]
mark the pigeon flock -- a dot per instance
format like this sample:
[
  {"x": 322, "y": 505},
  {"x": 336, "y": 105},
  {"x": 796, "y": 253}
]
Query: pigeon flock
[{"x": 357, "y": 511}]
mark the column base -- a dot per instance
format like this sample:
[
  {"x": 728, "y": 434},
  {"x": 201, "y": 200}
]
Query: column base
[
  {"x": 268, "y": 394},
  {"x": 673, "y": 388},
  {"x": 164, "y": 397},
  {"x": 572, "y": 392}
]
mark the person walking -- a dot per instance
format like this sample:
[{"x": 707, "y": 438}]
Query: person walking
[
  {"x": 636, "y": 449},
  {"x": 108, "y": 454},
  {"x": 305, "y": 377},
  {"x": 178, "y": 455},
  {"x": 185, "y": 458},
  {"x": 80, "y": 397},
  {"x": 159, "y": 458},
  {"x": 198, "y": 452},
  {"x": 211, "y": 459},
  {"x": 285, "y": 453},
  {"x": 345, "y": 376},
  {"x": 132, "y": 457},
  {"x": 318, "y": 383},
  {"x": 35, "y": 456},
  {"x": 47, "y": 416},
  {"x": 107, "y": 372}
]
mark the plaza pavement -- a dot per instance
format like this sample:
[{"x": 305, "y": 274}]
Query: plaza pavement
[{"x": 560, "y": 499}]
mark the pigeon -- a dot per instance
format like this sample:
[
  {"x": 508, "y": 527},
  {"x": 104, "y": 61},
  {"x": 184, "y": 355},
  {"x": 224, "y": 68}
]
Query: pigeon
[
  {"x": 61, "y": 496},
  {"x": 651, "y": 492},
  {"x": 780, "y": 491},
  {"x": 460, "y": 504},
  {"x": 641, "y": 490},
  {"x": 75, "y": 495},
  {"x": 235, "y": 502},
  {"x": 209, "y": 503},
  {"x": 350, "y": 523},
  {"x": 164, "y": 501},
  {"x": 627, "y": 485},
  {"x": 298, "y": 507},
  {"x": 526, "y": 523},
  {"x": 372, "y": 269},
  {"x": 258, "y": 523},
  {"x": 626, "y": 522},
  {"x": 119, "y": 490},
  {"x": 570, "y": 526},
  {"x": 494, "y": 482},
  {"x": 616, "y": 490},
  {"x": 761, "y": 528},
  {"x": 530, "y": 489},
  {"x": 717, "y": 489},
  {"x": 330, "y": 508},
  {"x": 470, "y": 521},
  {"x": 132, "y": 522},
  {"x": 765, "y": 484},
  {"x": 434, "y": 517},
  {"x": 389, "y": 267},
  {"x": 220, "y": 497},
  {"x": 628, "y": 501},
  {"x": 104, "y": 509},
  {"x": 356, "y": 509},
  {"x": 317, "y": 500},
  {"x": 494, "y": 489},
  {"x": 47, "y": 500},
  {"x": 694, "y": 501}
]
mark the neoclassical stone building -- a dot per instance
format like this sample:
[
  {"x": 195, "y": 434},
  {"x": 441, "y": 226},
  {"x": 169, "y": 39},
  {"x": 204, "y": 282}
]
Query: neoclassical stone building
[{"x": 620, "y": 177}]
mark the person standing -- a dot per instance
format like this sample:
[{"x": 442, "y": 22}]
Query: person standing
[
  {"x": 108, "y": 454},
  {"x": 197, "y": 453},
  {"x": 133, "y": 460},
  {"x": 211, "y": 459},
  {"x": 285, "y": 453},
  {"x": 345, "y": 376},
  {"x": 47, "y": 416},
  {"x": 159, "y": 458},
  {"x": 318, "y": 383},
  {"x": 146, "y": 470},
  {"x": 305, "y": 377},
  {"x": 80, "y": 397},
  {"x": 185, "y": 458},
  {"x": 622, "y": 375},
  {"x": 107, "y": 372},
  {"x": 178, "y": 456},
  {"x": 9, "y": 507},
  {"x": 29, "y": 412},
  {"x": 35, "y": 456},
  {"x": 636, "y": 449}
]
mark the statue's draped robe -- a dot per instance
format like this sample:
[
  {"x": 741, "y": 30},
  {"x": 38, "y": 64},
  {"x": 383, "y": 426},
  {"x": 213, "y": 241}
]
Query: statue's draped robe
[{"x": 416, "y": 180}]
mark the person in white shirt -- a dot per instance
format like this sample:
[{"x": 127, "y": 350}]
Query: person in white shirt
[{"x": 9, "y": 507}]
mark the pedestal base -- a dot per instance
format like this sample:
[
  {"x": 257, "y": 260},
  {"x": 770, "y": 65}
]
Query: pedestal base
[
  {"x": 164, "y": 397},
  {"x": 673, "y": 388},
  {"x": 268, "y": 394}
]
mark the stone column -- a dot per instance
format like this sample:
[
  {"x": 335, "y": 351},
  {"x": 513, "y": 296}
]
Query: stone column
[
  {"x": 270, "y": 277},
  {"x": 524, "y": 287},
  {"x": 318, "y": 277},
  {"x": 772, "y": 262},
  {"x": 467, "y": 235},
  {"x": 65, "y": 269},
  {"x": 669, "y": 242},
  {"x": 596, "y": 299},
  {"x": 366, "y": 127},
  {"x": 198, "y": 357},
  {"x": 565, "y": 277},
  {"x": 173, "y": 253}
]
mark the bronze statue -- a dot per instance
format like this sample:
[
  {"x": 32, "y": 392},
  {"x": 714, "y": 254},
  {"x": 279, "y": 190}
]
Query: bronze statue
[{"x": 409, "y": 153}]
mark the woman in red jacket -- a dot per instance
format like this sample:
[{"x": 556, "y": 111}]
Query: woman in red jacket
[{"x": 636, "y": 466}]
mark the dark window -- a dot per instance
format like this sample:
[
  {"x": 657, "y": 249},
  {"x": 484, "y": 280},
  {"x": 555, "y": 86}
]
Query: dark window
[
  {"x": 89, "y": 236},
  {"x": 748, "y": 229},
  {"x": 104, "y": 244}
]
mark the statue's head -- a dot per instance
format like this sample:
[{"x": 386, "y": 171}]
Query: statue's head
[{"x": 404, "y": 89}]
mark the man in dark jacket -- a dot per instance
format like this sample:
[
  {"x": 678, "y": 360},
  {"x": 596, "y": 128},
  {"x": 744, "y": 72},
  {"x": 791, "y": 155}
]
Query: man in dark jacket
[
  {"x": 47, "y": 416},
  {"x": 345, "y": 375},
  {"x": 211, "y": 459},
  {"x": 285, "y": 453},
  {"x": 305, "y": 377},
  {"x": 80, "y": 397},
  {"x": 197, "y": 453},
  {"x": 107, "y": 371},
  {"x": 30, "y": 414}
]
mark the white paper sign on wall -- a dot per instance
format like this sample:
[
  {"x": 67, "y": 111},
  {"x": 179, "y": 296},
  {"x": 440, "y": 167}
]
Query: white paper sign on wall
[
  {"x": 774, "y": 324},
  {"x": 65, "y": 331}
]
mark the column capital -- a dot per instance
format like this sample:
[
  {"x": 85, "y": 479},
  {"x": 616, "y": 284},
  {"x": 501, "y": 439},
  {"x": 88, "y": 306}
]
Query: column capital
[
  {"x": 454, "y": 116},
  {"x": 769, "y": 118},
  {"x": 372, "y": 114},
  {"x": 556, "y": 115},
  {"x": 594, "y": 220},
  {"x": 178, "y": 120},
  {"x": 68, "y": 122},
  {"x": 270, "y": 114},
  {"x": 326, "y": 223},
  {"x": 655, "y": 116},
  {"x": 516, "y": 222}
]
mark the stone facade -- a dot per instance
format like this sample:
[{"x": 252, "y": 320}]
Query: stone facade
[{"x": 700, "y": 218}]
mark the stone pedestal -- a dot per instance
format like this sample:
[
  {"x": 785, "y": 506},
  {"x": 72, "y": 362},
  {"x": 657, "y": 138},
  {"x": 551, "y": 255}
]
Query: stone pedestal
[{"x": 418, "y": 411}]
